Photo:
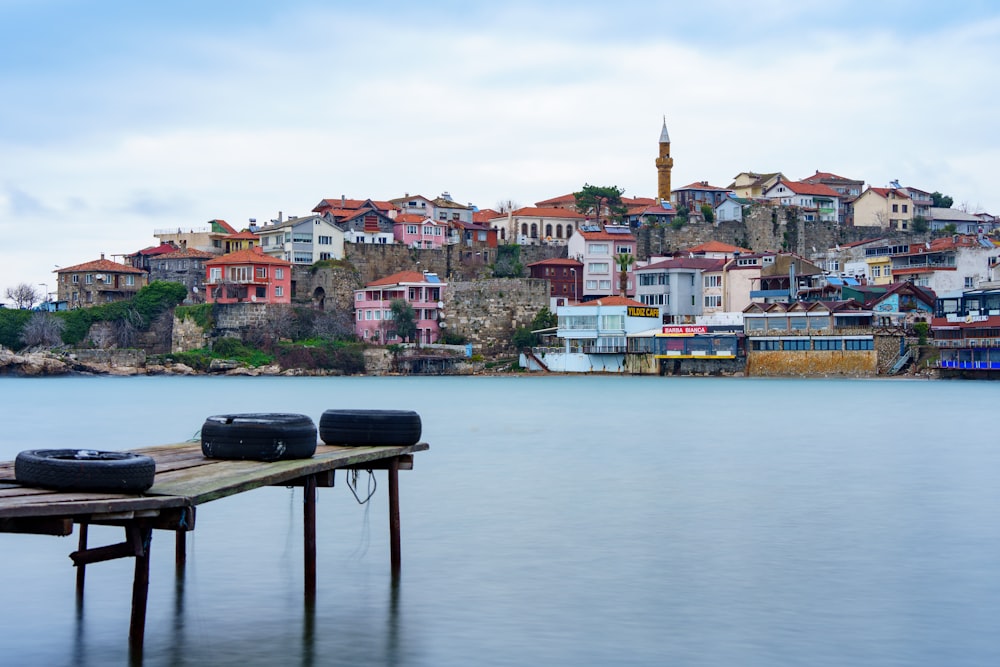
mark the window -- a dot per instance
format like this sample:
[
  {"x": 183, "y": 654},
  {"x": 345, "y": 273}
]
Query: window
[
  {"x": 612, "y": 321},
  {"x": 368, "y": 314},
  {"x": 713, "y": 281},
  {"x": 713, "y": 301},
  {"x": 801, "y": 344},
  {"x": 261, "y": 272},
  {"x": 130, "y": 280},
  {"x": 378, "y": 314},
  {"x": 970, "y": 281},
  {"x": 591, "y": 284},
  {"x": 279, "y": 290},
  {"x": 76, "y": 279},
  {"x": 89, "y": 279},
  {"x": 876, "y": 271},
  {"x": 239, "y": 274},
  {"x": 324, "y": 255},
  {"x": 279, "y": 274},
  {"x": 856, "y": 344},
  {"x": 604, "y": 284},
  {"x": 798, "y": 323},
  {"x": 325, "y": 240},
  {"x": 597, "y": 248},
  {"x": 904, "y": 208},
  {"x": 598, "y": 267},
  {"x": 428, "y": 230},
  {"x": 215, "y": 274},
  {"x": 895, "y": 208},
  {"x": 624, "y": 250},
  {"x": 360, "y": 315},
  {"x": 411, "y": 229},
  {"x": 360, "y": 296},
  {"x": 826, "y": 344}
]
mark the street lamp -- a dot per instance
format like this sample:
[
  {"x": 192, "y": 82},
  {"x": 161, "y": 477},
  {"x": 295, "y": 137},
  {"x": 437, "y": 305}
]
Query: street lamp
[{"x": 45, "y": 294}]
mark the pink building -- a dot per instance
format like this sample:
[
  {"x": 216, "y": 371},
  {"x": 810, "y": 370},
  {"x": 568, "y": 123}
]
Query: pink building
[
  {"x": 373, "y": 309},
  {"x": 248, "y": 275},
  {"x": 417, "y": 231}
]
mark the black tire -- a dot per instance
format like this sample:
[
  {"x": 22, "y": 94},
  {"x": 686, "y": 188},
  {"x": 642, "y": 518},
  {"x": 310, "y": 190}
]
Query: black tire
[
  {"x": 369, "y": 427},
  {"x": 85, "y": 470},
  {"x": 258, "y": 437}
]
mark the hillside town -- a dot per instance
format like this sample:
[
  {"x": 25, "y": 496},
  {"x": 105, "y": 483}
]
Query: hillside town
[{"x": 771, "y": 274}]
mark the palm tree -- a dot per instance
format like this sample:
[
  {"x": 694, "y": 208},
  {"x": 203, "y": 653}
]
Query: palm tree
[{"x": 623, "y": 260}]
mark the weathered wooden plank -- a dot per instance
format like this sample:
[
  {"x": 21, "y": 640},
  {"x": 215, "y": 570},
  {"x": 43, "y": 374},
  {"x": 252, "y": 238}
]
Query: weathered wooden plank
[
  {"x": 59, "y": 526},
  {"x": 185, "y": 478}
]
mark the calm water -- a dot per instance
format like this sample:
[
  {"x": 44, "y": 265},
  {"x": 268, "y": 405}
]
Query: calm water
[{"x": 554, "y": 521}]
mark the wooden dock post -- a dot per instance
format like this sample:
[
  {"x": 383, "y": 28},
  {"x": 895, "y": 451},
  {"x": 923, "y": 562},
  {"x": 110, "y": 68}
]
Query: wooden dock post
[
  {"x": 309, "y": 537},
  {"x": 81, "y": 570},
  {"x": 394, "y": 545},
  {"x": 143, "y": 532}
]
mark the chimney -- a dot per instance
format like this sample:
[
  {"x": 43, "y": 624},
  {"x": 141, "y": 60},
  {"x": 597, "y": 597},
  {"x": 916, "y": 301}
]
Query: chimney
[
  {"x": 102, "y": 256},
  {"x": 343, "y": 201}
]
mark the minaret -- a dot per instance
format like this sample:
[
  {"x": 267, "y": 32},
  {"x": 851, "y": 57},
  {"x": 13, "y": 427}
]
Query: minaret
[{"x": 664, "y": 164}]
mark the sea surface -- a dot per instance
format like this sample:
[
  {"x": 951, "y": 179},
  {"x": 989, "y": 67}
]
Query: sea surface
[{"x": 554, "y": 521}]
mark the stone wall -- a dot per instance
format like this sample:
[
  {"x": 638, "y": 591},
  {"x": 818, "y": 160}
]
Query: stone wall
[
  {"x": 111, "y": 358},
  {"x": 487, "y": 312},
  {"x": 233, "y": 319},
  {"x": 846, "y": 363},
  {"x": 327, "y": 288},
  {"x": 187, "y": 336},
  {"x": 764, "y": 227}
]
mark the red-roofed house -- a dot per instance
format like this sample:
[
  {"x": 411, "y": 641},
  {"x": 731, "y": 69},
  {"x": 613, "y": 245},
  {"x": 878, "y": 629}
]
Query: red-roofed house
[
  {"x": 696, "y": 194},
  {"x": 565, "y": 278},
  {"x": 343, "y": 204},
  {"x": 373, "y": 306},
  {"x": 185, "y": 266},
  {"x": 597, "y": 250},
  {"x": 419, "y": 231},
  {"x": 248, "y": 276},
  {"x": 207, "y": 238},
  {"x": 676, "y": 287},
  {"x": 812, "y": 197},
  {"x": 533, "y": 225},
  {"x": 97, "y": 282},
  {"x": 885, "y": 208},
  {"x": 715, "y": 250}
]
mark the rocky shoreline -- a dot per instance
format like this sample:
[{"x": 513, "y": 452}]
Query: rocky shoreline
[{"x": 49, "y": 364}]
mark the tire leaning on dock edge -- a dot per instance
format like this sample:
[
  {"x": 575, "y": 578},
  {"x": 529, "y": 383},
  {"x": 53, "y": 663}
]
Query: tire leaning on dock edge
[
  {"x": 85, "y": 470},
  {"x": 258, "y": 436},
  {"x": 369, "y": 427}
]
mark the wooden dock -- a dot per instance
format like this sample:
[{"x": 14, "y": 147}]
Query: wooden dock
[{"x": 185, "y": 479}]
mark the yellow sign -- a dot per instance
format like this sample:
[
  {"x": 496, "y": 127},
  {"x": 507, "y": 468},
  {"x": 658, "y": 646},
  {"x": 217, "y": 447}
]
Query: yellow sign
[{"x": 643, "y": 311}]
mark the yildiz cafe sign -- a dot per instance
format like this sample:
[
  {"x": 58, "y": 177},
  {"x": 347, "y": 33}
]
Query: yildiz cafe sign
[{"x": 643, "y": 311}]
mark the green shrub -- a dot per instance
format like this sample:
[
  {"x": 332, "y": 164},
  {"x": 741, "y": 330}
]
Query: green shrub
[
  {"x": 11, "y": 326},
  {"x": 200, "y": 314}
]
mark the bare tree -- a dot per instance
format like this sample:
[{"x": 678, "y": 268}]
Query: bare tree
[
  {"x": 24, "y": 295},
  {"x": 507, "y": 205},
  {"x": 337, "y": 324},
  {"x": 43, "y": 329},
  {"x": 126, "y": 330}
]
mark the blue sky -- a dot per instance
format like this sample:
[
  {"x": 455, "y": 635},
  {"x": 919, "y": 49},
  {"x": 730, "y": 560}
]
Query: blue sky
[{"x": 120, "y": 118}]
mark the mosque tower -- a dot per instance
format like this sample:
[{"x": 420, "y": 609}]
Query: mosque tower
[{"x": 664, "y": 164}]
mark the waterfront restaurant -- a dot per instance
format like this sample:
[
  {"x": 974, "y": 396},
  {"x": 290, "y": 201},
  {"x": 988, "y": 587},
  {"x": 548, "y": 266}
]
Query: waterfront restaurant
[{"x": 966, "y": 331}]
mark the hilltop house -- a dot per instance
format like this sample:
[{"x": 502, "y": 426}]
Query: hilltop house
[
  {"x": 248, "y": 276},
  {"x": 537, "y": 226},
  {"x": 373, "y": 306},
  {"x": 885, "y": 208},
  {"x": 818, "y": 201},
  {"x": 185, "y": 266},
  {"x": 945, "y": 265},
  {"x": 419, "y": 231},
  {"x": 97, "y": 282},
  {"x": 596, "y": 248},
  {"x": 565, "y": 278},
  {"x": 208, "y": 238},
  {"x": 303, "y": 240}
]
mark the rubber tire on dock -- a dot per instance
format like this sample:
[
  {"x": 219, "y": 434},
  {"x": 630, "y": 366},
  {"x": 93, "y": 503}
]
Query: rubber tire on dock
[
  {"x": 369, "y": 427},
  {"x": 258, "y": 437},
  {"x": 85, "y": 470}
]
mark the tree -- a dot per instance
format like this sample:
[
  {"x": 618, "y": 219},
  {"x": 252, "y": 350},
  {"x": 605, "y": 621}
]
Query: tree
[
  {"x": 594, "y": 199},
  {"x": 623, "y": 260},
  {"x": 708, "y": 213},
  {"x": 24, "y": 295},
  {"x": 920, "y": 224},
  {"x": 508, "y": 262},
  {"x": 507, "y": 205},
  {"x": 43, "y": 329},
  {"x": 939, "y": 200},
  {"x": 404, "y": 319}
]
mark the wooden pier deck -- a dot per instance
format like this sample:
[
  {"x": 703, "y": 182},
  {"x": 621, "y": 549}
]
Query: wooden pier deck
[{"x": 185, "y": 479}]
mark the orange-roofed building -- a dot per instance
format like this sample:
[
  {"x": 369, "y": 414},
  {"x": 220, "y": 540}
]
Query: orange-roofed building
[
  {"x": 373, "y": 307},
  {"x": 248, "y": 276},
  {"x": 97, "y": 282},
  {"x": 715, "y": 250},
  {"x": 596, "y": 248}
]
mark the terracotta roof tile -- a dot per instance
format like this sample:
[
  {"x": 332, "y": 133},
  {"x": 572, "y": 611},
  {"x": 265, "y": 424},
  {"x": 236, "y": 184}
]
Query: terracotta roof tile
[
  {"x": 102, "y": 265},
  {"x": 399, "y": 278},
  {"x": 611, "y": 301},
  {"x": 247, "y": 256}
]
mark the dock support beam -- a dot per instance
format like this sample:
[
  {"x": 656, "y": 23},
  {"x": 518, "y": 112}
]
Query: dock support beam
[
  {"x": 309, "y": 537},
  {"x": 140, "y": 591},
  {"x": 394, "y": 544}
]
